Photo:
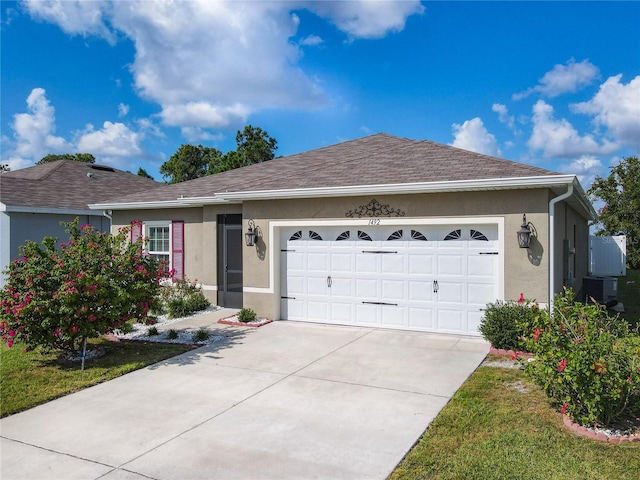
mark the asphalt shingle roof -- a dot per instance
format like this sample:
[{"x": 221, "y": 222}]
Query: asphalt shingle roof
[
  {"x": 67, "y": 184},
  {"x": 379, "y": 159}
]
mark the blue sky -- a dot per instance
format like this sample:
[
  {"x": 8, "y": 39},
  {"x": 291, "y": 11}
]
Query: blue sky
[{"x": 553, "y": 84}]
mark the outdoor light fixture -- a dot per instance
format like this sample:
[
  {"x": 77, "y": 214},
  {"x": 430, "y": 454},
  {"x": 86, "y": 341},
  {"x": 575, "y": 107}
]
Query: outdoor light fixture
[
  {"x": 251, "y": 235},
  {"x": 524, "y": 234}
]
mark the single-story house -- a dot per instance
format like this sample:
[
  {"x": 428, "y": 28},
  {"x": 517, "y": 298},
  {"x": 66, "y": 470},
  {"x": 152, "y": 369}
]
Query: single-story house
[
  {"x": 34, "y": 200},
  {"x": 380, "y": 231}
]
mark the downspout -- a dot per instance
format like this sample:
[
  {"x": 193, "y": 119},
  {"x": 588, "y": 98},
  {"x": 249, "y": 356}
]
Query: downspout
[
  {"x": 107, "y": 213},
  {"x": 552, "y": 211}
]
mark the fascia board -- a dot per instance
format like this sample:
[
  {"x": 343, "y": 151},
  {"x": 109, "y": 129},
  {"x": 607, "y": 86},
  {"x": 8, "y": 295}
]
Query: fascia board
[
  {"x": 136, "y": 205},
  {"x": 403, "y": 188},
  {"x": 47, "y": 210}
]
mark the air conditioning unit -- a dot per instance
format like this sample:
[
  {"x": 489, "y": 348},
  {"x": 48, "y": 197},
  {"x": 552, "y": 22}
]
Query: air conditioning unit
[{"x": 600, "y": 289}]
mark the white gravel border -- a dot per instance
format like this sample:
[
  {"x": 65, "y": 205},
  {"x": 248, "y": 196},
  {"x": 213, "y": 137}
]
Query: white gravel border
[{"x": 141, "y": 332}]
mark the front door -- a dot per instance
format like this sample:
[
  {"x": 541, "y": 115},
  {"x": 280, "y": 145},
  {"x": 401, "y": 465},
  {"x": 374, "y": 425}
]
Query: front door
[{"x": 230, "y": 261}]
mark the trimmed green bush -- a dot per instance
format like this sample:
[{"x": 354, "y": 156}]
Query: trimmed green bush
[
  {"x": 587, "y": 362},
  {"x": 505, "y": 323},
  {"x": 183, "y": 298},
  {"x": 202, "y": 335},
  {"x": 246, "y": 315}
]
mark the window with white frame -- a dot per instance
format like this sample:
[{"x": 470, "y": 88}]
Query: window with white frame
[{"x": 159, "y": 244}]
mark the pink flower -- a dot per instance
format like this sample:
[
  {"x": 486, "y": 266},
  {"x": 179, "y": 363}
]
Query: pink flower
[
  {"x": 515, "y": 356},
  {"x": 536, "y": 334},
  {"x": 74, "y": 328},
  {"x": 12, "y": 333},
  {"x": 562, "y": 365},
  {"x": 9, "y": 343},
  {"x": 564, "y": 408},
  {"x": 600, "y": 366},
  {"x": 521, "y": 299}
]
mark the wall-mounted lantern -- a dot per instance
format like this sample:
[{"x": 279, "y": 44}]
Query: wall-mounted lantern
[
  {"x": 252, "y": 234},
  {"x": 524, "y": 234}
]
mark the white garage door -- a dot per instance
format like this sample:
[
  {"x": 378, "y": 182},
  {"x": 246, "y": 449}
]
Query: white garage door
[{"x": 429, "y": 278}]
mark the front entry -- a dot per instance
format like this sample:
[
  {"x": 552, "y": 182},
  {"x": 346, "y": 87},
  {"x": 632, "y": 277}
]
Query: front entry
[{"x": 230, "y": 260}]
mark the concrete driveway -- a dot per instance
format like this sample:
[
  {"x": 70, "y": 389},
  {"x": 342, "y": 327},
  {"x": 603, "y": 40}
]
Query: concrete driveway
[{"x": 287, "y": 400}]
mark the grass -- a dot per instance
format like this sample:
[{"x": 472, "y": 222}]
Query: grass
[
  {"x": 629, "y": 295},
  {"x": 490, "y": 430},
  {"x": 28, "y": 379}
]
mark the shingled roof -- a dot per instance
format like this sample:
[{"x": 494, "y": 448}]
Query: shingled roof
[
  {"x": 375, "y": 160},
  {"x": 67, "y": 185}
]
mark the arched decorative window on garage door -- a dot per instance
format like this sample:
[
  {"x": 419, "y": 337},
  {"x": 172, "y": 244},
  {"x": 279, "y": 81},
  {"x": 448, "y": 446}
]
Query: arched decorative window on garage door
[
  {"x": 296, "y": 236},
  {"x": 344, "y": 235},
  {"x": 476, "y": 235},
  {"x": 363, "y": 236},
  {"x": 455, "y": 235},
  {"x": 314, "y": 236},
  {"x": 397, "y": 235},
  {"x": 416, "y": 235}
]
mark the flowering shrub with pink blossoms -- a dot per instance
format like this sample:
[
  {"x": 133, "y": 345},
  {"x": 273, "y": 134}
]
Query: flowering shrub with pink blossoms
[
  {"x": 587, "y": 362},
  {"x": 56, "y": 297}
]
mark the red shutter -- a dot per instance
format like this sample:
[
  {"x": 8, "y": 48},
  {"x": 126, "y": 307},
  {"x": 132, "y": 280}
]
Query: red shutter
[
  {"x": 136, "y": 230},
  {"x": 177, "y": 248}
]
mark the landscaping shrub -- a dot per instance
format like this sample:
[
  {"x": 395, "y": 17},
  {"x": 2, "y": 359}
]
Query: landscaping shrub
[
  {"x": 202, "y": 335},
  {"x": 246, "y": 315},
  {"x": 587, "y": 362},
  {"x": 152, "y": 332},
  {"x": 172, "y": 334},
  {"x": 94, "y": 283},
  {"x": 505, "y": 323},
  {"x": 183, "y": 298}
]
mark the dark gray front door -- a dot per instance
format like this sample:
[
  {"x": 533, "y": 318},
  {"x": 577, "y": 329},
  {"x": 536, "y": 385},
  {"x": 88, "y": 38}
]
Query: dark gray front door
[{"x": 230, "y": 261}]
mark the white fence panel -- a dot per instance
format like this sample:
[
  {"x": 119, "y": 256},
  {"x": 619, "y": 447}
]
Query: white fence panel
[{"x": 608, "y": 256}]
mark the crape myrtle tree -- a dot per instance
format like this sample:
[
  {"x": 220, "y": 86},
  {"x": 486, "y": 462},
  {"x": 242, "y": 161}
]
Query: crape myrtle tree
[
  {"x": 254, "y": 145},
  {"x": 57, "y": 297},
  {"x": 620, "y": 192}
]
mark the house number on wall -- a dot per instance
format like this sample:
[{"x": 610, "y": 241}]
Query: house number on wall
[{"x": 374, "y": 221}]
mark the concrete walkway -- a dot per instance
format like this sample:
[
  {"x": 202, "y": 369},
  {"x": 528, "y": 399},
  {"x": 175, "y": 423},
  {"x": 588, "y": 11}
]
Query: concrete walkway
[{"x": 285, "y": 401}]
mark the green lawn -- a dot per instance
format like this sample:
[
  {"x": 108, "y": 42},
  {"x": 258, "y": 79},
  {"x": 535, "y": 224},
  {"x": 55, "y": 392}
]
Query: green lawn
[
  {"x": 490, "y": 430},
  {"x": 28, "y": 379},
  {"x": 629, "y": 295}
]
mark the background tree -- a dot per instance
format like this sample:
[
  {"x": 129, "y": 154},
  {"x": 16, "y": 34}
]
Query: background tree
[
  {"x": 254, "y": 145},
  {"x": 76, "y": 157},
  {"x": 4, "y": 167},
  {"x": 189, "y": 162},
  {"x": 620, "y": 192},
  {"x": 143, "y": 173}
]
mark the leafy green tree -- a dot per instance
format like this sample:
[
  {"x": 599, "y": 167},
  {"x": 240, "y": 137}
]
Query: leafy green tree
[
  {"x": 56, "y": 298},
  {"x": 4, "y": 167},
  {"x": 76, "y": 157},
  {"x": 254, "y": 145},
  {"x": 143, "y": 173},
  {"x": 189, "y": 162},
  {"x": 620, "y": 192}
]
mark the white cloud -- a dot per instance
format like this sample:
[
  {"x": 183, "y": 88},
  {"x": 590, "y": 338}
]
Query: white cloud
[
  {"x": 311, "y": 41},
  {"x": 616, "y": 107},
  {"x": 366, "y": 18},
  {"x": 33, "y": 133},
  {"x": 586, "y": 168},
  {"x": 561, "y": 79},
  {"x": 123, "y": 110},
  {"x": 558, "y": 138},
  {"x": 472, "y": 135},
  {"x": 197, "y": 134},
  {"x": 33, "y": 137},
  {"x": 112, "y": 140},
  {"x": 503, "y": 115},
  {"x": 211, "y": 64}
]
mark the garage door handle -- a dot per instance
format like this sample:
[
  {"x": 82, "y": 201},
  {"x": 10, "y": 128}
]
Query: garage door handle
[
  {"x": 488, "y": 253},
  {"x": 377, "y": 251},
  {"x": 435, "y": 286},
  {"x": 329, "y": 282},
  {"x": 381, "y": 303}
]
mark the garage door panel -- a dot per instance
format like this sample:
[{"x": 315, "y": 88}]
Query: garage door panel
[
  {"x": 342, "y": 262},
  {"x": 367, "y": 288},
  {"x": 292, "y": 309},
  {"x": 451, "y": 264},
  {"x": 367, "y": 315},
  {"x": 366, "y": 263},
  {"x": 342, "y": 287},
  {"x": 450, "y": 320},
  {"x": 342, "y": 312},
  {"x": 317, "y": 262},
  {"x": 473, "y": 320},
  {"x": 421, "y": 318},
  {"x": 294, "y": 260},
  {"x": 295, "y": 285},
  {"x": 480, "y": 293},
  {"x": 451, "y": 292},
  {"x": 392, "y": 316},
  {"x": 421, "y": 264},
  {"x": 317, "y": 286},
  {"x": 317, "y": 311},
  {"x": 481, "y": 266},
  {"x": 393, "y": 290},
  {"x": 421, "y": 291},
  {"x": 393, "y": 263}
]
